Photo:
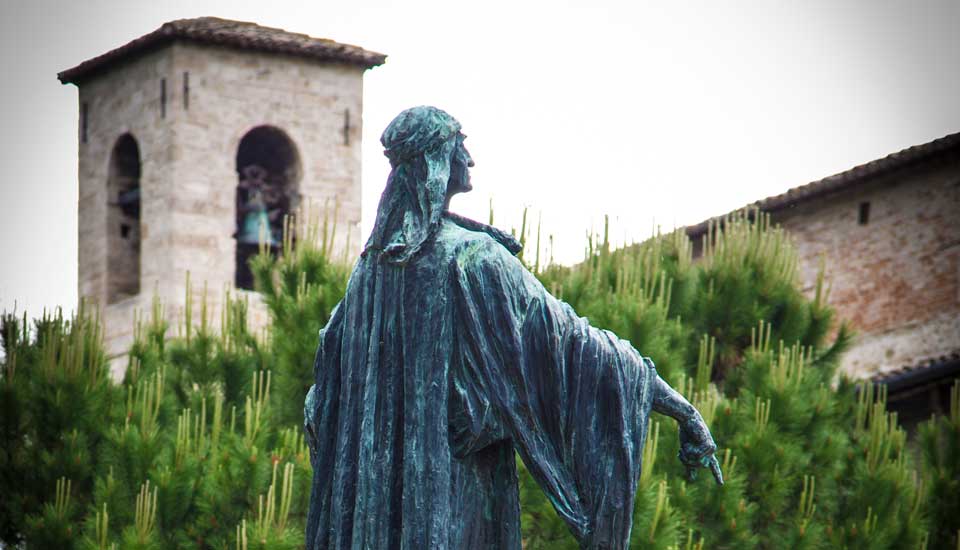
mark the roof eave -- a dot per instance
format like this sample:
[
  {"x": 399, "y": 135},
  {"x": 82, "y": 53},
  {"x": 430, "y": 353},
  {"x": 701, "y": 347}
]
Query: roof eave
[
  {"x": 945, "y": 368},
  {"x": 167, "y": 34},
  {"x": 911, "y": 156}
]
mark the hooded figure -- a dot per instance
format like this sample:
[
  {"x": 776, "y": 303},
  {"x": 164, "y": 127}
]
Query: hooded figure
[{"x": 444, "y": 358}]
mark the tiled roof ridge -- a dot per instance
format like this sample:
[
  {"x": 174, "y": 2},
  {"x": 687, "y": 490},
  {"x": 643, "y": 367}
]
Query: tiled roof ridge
[
  {"x": 925, "y": 363},
  {"x": 843, "y": 180},
  {"x": 229, "y": 33}
]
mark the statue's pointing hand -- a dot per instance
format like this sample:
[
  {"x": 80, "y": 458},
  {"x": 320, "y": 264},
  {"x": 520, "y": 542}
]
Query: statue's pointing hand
[{"x": 697, "y": 449}]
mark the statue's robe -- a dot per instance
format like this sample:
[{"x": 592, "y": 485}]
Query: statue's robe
[{"x": 429, "y": 375}]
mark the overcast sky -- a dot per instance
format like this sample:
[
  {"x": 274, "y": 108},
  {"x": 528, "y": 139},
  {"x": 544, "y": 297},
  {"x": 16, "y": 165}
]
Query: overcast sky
[{"x": 652, "y": 112}]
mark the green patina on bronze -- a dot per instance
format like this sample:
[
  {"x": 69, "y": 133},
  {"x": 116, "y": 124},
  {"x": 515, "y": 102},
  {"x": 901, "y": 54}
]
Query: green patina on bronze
[{"x": 446, "y": 357}]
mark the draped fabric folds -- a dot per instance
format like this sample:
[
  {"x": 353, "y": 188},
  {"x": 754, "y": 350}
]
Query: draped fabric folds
[{"x": 430, "y": 376}]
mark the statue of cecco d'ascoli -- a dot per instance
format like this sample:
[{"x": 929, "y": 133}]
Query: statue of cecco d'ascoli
[{"x": 445, "y": 357}]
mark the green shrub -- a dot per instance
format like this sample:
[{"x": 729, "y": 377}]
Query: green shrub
[{"x": 201, "y": 444}]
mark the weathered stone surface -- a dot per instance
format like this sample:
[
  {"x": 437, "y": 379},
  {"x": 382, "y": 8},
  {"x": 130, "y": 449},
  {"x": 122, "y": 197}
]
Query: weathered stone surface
[
  {"x": 896, "y": 277},
  {"x": 188, "y": 162}
]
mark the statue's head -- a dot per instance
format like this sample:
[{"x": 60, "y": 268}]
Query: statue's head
[
  {"x": 430, "y": 134},
  {"x": 417, "y": 131},
  {"x": 429, "y": 163}
]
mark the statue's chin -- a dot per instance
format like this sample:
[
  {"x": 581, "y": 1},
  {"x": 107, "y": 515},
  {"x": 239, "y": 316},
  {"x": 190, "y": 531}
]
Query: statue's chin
[{"x": 462, "y": 188}]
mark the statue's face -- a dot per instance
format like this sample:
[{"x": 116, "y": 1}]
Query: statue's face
[{"x": 460, "y": 168}]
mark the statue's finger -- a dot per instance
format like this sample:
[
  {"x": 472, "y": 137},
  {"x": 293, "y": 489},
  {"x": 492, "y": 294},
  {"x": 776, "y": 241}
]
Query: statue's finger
[{"x": 715, "y": 468}]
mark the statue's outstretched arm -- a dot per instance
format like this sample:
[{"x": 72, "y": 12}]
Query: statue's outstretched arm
[{"x": 697, "y": 447}]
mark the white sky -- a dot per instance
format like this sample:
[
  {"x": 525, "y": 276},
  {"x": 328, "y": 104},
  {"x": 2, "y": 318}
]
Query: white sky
[{"x": 651, "y": 112}]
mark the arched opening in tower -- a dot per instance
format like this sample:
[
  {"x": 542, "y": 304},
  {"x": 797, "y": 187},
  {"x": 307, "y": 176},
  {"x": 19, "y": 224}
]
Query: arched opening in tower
[
  {"x": 123, "y": 220},
  {"x": 268, "y": 168}
]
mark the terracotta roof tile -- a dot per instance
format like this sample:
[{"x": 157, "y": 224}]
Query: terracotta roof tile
[
  {"x": 843, "y": 180},
  {"x": 922, "y": 364},
  {"x": 234, "y": 34},
  {"x": 920, "y": 372}
]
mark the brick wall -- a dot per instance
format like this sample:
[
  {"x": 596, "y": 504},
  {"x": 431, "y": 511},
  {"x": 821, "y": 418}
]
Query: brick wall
[{"x": 896, "y": 278}]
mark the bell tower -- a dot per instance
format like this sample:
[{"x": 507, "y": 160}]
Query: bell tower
[{"x": 195, "y": 140}]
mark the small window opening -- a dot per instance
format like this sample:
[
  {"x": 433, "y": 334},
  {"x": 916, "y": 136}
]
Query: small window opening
[
  {"x": 346, "y": 126},
  {"x": 163, "y": 98},
  {"x": 864, "y": 216},
  {"x": 268, "y": 170},
  {"x": 123, "y": 220},
  {"x": 84, "y": 120},
  {"x": 186, "y": 90}
]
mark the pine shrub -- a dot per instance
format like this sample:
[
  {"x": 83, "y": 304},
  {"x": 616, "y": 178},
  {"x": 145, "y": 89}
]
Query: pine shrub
[{"x": 201, "y": 444}]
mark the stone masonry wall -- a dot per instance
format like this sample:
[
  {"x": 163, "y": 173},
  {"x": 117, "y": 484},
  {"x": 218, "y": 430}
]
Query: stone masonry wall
[
  {"x": 188, "y": 172},
  {"x": 126, "y": 100},
  {"x": 896, "y": 278},
  {"x": 230, "y": 93}
]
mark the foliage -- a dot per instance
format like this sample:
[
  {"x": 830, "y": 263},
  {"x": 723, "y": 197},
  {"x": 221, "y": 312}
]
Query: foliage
[
  {"x": 808, "y": 461},
  {"x": 940, "y": 447},
  {"x": 201, "y": 445},
  {"x": 54, "y": 393}
]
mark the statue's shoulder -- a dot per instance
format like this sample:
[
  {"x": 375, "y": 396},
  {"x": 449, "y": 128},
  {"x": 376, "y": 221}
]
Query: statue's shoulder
[{"x": 469, "y": 236}]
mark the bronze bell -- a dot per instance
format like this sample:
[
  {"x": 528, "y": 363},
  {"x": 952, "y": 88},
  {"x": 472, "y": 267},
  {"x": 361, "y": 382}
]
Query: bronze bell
[{"x": 129, "y": 202}]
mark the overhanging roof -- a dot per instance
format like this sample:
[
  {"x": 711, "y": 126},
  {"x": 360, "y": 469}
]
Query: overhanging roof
[
  {"x": 232, "y": 34},
  {"x": 844, "y": 180},
  {"x": 946, "y": 366}
]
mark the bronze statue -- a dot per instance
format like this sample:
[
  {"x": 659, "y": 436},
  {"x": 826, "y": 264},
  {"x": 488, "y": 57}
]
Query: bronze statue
[{"x": 445, "y": 357}]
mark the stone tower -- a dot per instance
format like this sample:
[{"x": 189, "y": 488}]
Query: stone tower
[{"x": 194, "y": 138}]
